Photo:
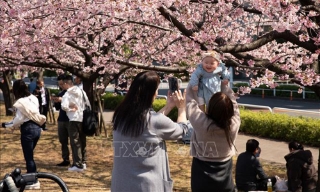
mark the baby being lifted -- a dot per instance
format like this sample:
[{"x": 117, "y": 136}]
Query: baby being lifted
[{"x": 208, "y": 76}]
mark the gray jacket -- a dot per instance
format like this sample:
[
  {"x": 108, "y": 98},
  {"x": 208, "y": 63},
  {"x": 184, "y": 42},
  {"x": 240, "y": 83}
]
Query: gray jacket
[{"x": 141, "y": 163}]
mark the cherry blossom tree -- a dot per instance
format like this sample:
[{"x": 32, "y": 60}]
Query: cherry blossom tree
[
  {"x": 271, "y": 39},
  {"x": 95, "y": 38}
]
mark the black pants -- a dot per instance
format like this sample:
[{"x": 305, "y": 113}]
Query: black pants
[
  {"x": 44, "y": 111},
  {"x": 211, "y": 176}
]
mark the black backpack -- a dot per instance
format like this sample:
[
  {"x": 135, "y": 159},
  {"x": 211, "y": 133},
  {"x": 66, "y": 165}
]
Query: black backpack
[{"x": 90, "y": 120}]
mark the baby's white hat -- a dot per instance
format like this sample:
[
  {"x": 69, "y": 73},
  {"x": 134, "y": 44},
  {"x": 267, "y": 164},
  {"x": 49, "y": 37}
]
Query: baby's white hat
[{"x": 213, "y": 54}]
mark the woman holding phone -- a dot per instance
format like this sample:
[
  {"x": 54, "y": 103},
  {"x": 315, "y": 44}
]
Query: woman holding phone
[
  {"x": 139, "y": 134},
  {"x": 29, "y": 119}
]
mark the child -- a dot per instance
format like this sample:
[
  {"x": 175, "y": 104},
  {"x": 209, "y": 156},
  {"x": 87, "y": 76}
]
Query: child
[{"x": 208, "y": 76}]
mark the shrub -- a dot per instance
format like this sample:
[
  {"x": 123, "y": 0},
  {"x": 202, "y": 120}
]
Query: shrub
[
  {"x": 54, "y": 91},
  {"x": 111, "y": 101},
  {"x": 159, "y": 103},
  {"x": 280, "y": 126}
]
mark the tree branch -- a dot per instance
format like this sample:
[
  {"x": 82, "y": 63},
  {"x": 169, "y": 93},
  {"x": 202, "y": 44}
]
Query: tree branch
[
  {"x": 311, "y": 8},
  {"x": 235, "y": 4},
  {"x": 269, "y": 37},
  {"x": 76, "y": 46},
  {"x": 44, "y": 64},
  {"x": 175, "y": 22},
  {"x": 55, "y": 59},
  {"x": 83, "y": 50}
]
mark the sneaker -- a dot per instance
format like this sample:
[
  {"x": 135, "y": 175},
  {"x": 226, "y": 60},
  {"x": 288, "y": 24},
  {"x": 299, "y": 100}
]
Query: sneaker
[
  {"x": 64, "y": 164},
  {"x": 84, "y": 166},
  {"x": 75, "y": 168},
  {"x": 33, "y": 186}
]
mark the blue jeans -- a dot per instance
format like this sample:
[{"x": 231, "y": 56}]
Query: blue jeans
[{"x": 30, "y": 134}]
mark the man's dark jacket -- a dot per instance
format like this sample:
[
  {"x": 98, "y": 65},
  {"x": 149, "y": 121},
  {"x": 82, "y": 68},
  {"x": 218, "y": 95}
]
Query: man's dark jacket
[{"x": 249, "y": 171}]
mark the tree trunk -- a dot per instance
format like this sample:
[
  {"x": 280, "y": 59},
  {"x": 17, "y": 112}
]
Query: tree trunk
[
  {"x": 6, "y": 86},
  {"x": 317, "y": 91},
  {"x": 88, "y": 88},
  {"x": 318, "y": 183}
]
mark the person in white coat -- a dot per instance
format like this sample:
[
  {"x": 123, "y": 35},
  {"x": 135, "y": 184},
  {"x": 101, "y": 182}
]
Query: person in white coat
[
  {"x": 29, "y": 119},
  {"x": 73, "y": 102}
]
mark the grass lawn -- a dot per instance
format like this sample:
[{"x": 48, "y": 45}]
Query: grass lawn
[{"x": 97, "y": 177}]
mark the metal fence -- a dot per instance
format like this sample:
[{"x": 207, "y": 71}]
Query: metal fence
[{"x": 303, "y": 93}]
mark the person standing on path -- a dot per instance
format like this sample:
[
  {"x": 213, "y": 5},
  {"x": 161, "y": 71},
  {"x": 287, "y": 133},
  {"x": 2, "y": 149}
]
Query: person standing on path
[
  {"x": 32, "y": 86},
  {"x": 29, "y": 119},
  {"x": 42, "y": 93},
  {"x": 78, "y": 82},
  {"x": 73, "y": 102},
  {"x": 63, "y": 124}
]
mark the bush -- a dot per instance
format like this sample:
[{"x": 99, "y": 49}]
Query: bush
[
  {"x": 111, "y": 101},
  {"x": 54, "y": 91},
  {"x": 159, "y": 103},
  {"x": 281, "y": 126}
]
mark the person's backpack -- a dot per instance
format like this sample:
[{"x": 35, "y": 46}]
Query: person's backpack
[{"x": 90, "y": 120}]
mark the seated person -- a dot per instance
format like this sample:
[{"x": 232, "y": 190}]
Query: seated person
[
  {"x": 301, "y": 172},
  {"x": 249, "y": 172}
]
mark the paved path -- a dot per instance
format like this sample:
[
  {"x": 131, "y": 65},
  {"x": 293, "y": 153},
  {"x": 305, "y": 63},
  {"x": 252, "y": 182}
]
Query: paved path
[{"x": 272, "y": 150}]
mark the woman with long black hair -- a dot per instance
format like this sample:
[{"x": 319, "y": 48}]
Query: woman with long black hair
[
  {"x": 29, "y": 119},
  {"x": 139, "y": 133}
]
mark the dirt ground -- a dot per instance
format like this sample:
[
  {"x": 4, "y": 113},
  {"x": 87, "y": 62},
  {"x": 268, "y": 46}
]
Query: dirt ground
[{"x": 97, "y": 177}]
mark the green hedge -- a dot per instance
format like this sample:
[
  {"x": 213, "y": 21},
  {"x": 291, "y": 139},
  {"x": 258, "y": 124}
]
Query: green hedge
[
  {"x": 111, "y": 101},
  {"x": 270, "y": 125},
  {"x": 159, "y": 103},
  {"x": 54, "y": 91},
  {"x": 281, "y": 126}
]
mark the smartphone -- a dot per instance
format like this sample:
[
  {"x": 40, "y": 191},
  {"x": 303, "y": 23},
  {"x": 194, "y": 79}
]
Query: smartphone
[{"x": 173, "y": 84}]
